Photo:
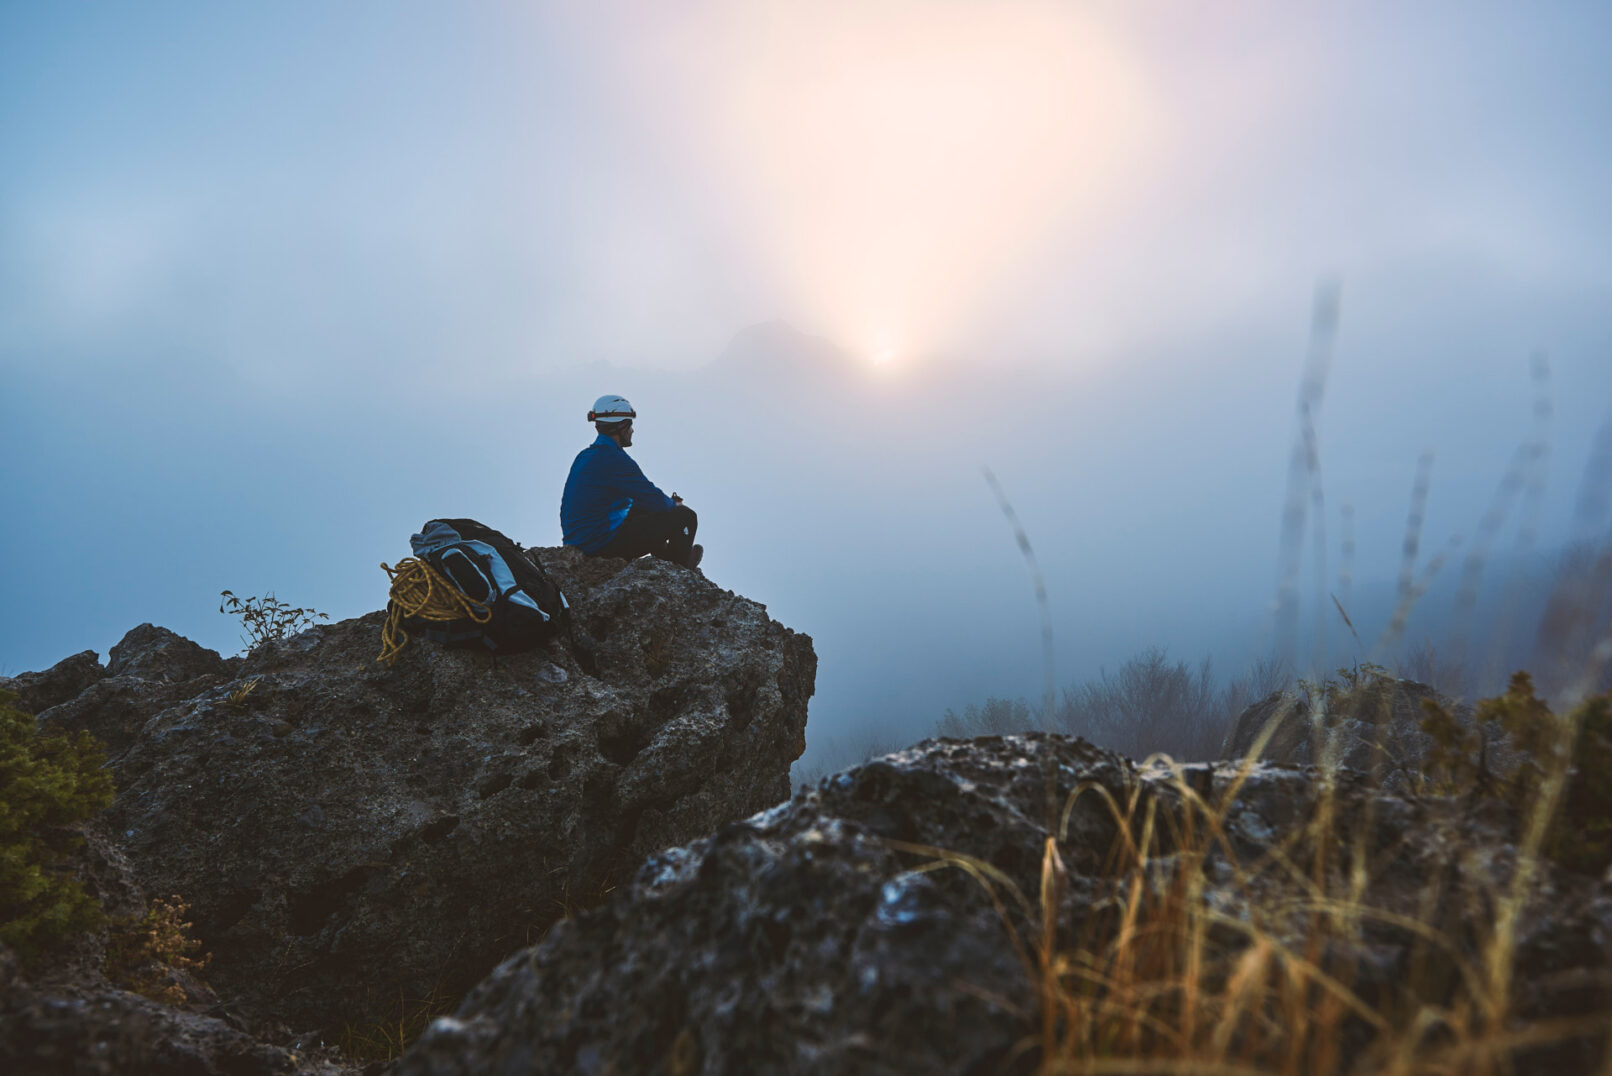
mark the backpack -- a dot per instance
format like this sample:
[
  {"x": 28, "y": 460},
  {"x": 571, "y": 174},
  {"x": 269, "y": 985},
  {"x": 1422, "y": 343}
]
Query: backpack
[{"x": 527, "y": 608}]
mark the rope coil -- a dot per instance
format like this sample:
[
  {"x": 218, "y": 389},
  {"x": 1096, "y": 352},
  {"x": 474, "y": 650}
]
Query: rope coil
[{"x": 419, "y": 590}]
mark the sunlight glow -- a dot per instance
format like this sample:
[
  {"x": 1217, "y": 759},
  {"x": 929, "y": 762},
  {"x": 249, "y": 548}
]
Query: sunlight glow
[{"x": 897, "y": 161}]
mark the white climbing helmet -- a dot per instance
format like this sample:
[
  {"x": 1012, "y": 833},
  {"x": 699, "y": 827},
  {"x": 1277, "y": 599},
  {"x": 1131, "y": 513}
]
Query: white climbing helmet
[{"x": 611, "y": 409}]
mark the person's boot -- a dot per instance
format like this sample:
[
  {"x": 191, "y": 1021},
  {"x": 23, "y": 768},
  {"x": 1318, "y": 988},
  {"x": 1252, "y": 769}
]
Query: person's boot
[{"x": 696, "y": 553}]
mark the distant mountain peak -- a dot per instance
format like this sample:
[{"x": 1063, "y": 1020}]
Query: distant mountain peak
[{"x": 777, "y": 349}]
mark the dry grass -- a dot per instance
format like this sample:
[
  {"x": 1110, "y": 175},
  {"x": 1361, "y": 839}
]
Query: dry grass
[
  {"x": 1165, "y": 980},
  {"x": 142, "y": 954},
  {"x": 386, "y": 1039}
]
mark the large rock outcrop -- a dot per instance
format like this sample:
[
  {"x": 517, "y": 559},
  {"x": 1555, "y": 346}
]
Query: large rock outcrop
[
  {"x": 816, "y": 938},
  {"x": 352, "y": 838}
]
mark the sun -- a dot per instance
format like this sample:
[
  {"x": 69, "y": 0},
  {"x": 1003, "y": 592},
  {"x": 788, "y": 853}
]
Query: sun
[{"x": 883, "y": 346}]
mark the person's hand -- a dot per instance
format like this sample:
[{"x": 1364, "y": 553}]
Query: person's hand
[{"x": 676, "y": 499}]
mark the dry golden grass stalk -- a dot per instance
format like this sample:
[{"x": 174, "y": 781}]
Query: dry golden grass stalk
[{"x": 1163, "y": 980}]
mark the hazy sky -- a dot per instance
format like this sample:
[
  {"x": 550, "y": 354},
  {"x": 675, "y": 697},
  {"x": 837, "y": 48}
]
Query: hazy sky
[{"x": 279, "y": 282}]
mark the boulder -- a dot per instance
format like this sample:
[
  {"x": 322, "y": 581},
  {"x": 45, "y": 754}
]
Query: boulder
[
  {"x": 152, "y": 653},
  {"x": 149, "y": 670},
  {"x": 820, "y": 937},
  {"x": 353, "y": 838},
  {"x": 1374, "y": 728},
  {"x": 38, "y": 691}
]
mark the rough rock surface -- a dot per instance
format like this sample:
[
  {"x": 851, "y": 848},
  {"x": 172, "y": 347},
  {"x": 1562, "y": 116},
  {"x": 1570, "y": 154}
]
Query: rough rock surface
[
  {"x": 152, "y": 653},
  {"x": 352, "y": 838},
  {"x": 149, "y": 670},
  {"x": 65, "y": 1015},
  {"x": 110, "y": 1031},
  {"x": 1375, "y": 729},
  {"x": 39, "y": 691},
  {"x": 808, "y": 940},
  {"x": 95, "y": 1030}
]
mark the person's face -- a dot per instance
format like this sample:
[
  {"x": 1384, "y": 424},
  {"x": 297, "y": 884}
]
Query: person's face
[{"x": 625, "y": 436}]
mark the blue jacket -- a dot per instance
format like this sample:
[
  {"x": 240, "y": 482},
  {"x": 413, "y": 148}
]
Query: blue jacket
[{"x": 603, "y": 484}]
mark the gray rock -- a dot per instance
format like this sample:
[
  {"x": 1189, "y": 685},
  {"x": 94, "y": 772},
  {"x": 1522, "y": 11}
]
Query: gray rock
[
  {"x": 39, "y": 691},
  {"x": 150, "y": 669},
  {"x": 348, "y": 835},
  {"x": 152, "y": 653},
  {"x": 800, "y": 940},
  {"x": 113, "y": 1032},
  {"x": 808, "y": 939},
  {"x": 115, "y": 709},
  {"x": 1374, "y": 730}
]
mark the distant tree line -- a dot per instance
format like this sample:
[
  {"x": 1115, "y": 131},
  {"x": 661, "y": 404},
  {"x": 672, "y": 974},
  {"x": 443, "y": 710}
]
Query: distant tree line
[
  {"x": 1152, "y": 704},
  {"x": 1149, "y": 705}
]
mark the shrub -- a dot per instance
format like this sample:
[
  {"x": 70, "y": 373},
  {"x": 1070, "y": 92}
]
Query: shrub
[
  {"x": 47, "y": 784},
  {"x": 1579, "y": 828},
  {"x": 1582, "y": 837},
  {"x": 141, "y": 951},
  {"x": 267, "y": 618}
]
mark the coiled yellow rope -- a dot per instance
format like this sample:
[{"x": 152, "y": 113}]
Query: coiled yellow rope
[{"x": 419, "y": 590}]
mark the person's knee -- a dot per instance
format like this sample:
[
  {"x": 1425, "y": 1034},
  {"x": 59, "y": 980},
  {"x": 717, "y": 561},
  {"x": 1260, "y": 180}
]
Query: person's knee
[{"x": 685, "y": 518}]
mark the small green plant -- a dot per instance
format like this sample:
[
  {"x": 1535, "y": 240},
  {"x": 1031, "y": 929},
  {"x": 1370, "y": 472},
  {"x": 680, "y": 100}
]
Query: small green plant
[
  {"x": 267, "y": 618},
  {"x": 141, "y": 951},
  {"x": 47, "y": 784}
]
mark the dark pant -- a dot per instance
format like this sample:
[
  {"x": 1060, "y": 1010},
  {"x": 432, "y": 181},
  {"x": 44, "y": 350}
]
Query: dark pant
[{"x": 667, "y": 535}]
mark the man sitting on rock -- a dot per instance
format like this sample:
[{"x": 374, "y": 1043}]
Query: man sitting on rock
[{"x": 610, "y": 509}]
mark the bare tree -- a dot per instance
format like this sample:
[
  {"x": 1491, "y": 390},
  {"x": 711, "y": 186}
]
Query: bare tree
[
  {"x": 1150, "y": 705},
  {"x": 1425, "y": 665}
]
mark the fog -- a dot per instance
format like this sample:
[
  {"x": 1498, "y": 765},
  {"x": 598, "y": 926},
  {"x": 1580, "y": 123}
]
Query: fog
[{"x": 278, "y": 285}]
